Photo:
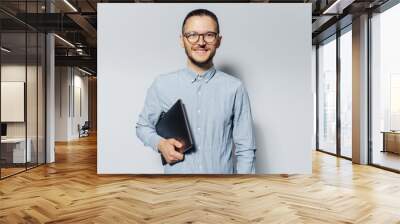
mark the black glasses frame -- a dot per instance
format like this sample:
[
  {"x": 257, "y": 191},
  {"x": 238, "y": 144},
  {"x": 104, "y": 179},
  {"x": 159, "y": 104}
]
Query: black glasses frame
[{"x": 187, "y": 35}]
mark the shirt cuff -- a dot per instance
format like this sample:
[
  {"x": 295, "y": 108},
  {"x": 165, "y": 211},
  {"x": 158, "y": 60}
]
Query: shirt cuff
[{"x": 154, "y": 140}]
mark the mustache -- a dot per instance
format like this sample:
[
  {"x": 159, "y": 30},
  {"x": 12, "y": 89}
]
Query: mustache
[{"x": 201, "y": 48}]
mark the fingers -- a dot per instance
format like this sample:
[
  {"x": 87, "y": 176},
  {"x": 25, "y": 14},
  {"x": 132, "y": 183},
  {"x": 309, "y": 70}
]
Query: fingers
[
  {"x": 171, "y": 154},
  {"x": 169, "y": 150},
  {"x": 175, "y": 142},
  {"x": 171, "y": 158},
  {"x": 176, "y": 155}
]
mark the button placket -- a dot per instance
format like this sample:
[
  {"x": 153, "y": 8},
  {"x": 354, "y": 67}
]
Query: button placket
[
  {"x": 198, "y": 106},
  {"x": 199, "y": 97},
  {"x": 199, "y": 103}
]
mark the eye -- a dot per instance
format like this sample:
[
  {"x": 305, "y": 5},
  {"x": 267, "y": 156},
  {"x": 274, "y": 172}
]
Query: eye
[
  {"x": 210, "y": 34},
  {"x": 191, "y": 34}
]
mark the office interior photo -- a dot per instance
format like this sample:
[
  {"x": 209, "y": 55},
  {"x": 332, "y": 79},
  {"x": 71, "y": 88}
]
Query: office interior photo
[{"x": 48, "y": 150}]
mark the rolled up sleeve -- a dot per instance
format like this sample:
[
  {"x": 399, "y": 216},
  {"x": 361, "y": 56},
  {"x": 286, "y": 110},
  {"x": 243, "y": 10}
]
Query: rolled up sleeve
[
  {"x": 145, "y": 126},
  {"x": 243, "y": 133}
]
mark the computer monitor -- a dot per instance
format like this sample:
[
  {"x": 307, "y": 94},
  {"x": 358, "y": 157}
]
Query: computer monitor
[{"x": 3, "y": 129}]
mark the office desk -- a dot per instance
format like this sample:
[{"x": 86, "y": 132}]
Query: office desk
[
  {"x": 13, "y": 150},
  {"x": 391, "y": 141}
]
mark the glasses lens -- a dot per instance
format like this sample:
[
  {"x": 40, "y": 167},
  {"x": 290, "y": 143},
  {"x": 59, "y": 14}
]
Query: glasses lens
[
  {"x": 192, "y": 37},
  {"x": 210, "y": 37}
]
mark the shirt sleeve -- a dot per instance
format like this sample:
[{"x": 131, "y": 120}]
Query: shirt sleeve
[
  {"x": 243, "y": 133},
  {"x": 145, "y": 126}
]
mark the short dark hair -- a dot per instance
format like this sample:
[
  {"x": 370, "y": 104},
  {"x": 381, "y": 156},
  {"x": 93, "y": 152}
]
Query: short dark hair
[{"x": 201, "y": 12}]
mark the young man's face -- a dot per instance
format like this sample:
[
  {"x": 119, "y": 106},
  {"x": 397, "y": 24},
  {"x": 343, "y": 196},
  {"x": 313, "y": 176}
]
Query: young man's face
[{"x": 202, "y": 51}]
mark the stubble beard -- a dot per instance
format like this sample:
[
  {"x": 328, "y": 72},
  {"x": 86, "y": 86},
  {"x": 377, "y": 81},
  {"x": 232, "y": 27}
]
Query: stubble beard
[{"x": 201, "y": 64}]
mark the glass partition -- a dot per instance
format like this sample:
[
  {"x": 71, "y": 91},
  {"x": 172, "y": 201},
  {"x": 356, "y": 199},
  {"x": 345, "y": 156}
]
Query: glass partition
[
  {"x": 13, "y": 109},
  {"x": 22, "y": 89}
]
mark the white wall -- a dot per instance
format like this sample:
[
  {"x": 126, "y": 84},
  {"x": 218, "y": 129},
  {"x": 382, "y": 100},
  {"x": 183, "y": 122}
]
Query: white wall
[
  {"x": 61, "y": 103},
  {"x": 68, "y": 81},
  {"x": 268, "y": 46}
]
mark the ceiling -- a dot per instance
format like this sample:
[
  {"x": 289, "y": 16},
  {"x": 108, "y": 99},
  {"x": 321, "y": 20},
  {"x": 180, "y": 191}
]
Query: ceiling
[{"x": 76, "y": 22}]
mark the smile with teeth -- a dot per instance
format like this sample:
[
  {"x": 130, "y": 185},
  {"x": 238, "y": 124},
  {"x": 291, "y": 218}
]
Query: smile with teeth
[{"x": 200, "y": 51}]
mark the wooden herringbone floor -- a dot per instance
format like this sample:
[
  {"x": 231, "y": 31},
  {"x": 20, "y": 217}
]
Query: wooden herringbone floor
[{"x": 70, "y": 191}]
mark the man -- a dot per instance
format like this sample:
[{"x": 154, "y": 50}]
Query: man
[{"x": 217, "y": 105}]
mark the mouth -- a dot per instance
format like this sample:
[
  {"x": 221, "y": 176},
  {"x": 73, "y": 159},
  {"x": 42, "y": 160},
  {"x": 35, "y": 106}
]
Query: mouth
[{"x": 200, "y": 51}]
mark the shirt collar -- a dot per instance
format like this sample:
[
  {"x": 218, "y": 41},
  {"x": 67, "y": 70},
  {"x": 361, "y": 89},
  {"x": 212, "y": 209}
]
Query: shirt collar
[{"x": 207, "y": 75}]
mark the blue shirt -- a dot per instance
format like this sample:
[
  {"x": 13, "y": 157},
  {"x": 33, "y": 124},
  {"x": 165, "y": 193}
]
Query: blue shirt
[{"x": 219, "y": 114}]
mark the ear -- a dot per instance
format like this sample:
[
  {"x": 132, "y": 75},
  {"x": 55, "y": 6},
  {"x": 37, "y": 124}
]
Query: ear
[
  {"x": 182, "y": 41},
  {"x": 219, "y": 41}
]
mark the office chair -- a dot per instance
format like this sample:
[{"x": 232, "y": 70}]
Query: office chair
[{"x": 84, "y": 130}]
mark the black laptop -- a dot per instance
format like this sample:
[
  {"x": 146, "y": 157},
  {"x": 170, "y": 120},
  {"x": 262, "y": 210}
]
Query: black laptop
[{"x": 174, "y": 124}]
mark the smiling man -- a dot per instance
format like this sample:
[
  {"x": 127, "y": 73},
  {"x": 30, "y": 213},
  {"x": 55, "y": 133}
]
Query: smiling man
[{"x": 217, "y": 105}]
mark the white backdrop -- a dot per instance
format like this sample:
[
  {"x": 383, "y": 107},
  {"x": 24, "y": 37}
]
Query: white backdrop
[{"x": 268, "y": 46}]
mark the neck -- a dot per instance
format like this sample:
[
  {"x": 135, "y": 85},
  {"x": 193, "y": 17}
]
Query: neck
[{"x": 199, "y": 69}]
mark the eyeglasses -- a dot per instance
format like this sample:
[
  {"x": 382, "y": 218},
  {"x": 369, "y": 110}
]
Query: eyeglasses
[{"x": 194, "y": 37}]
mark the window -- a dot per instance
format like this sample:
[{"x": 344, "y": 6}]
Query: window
[
  {"x": 327, "y": 96},
  {"x": 385, "y": 89},
  {"x": 346, "y": 93}
]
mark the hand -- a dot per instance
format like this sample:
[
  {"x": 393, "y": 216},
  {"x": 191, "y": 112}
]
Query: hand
[{"x": 168, "y": 148}]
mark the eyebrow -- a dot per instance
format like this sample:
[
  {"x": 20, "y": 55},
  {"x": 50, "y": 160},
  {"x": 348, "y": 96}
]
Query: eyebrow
[{"x": 201, "y": 33}]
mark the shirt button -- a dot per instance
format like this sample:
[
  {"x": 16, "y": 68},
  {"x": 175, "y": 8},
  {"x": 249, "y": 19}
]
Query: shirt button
[
  {"x": 199, "y": 93},
  {"x": 198, "y": 129},
  {"x": 198, "y": 111}
]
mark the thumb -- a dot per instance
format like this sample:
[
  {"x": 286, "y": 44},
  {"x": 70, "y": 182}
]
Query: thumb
[{"x": 176, "y": 143}]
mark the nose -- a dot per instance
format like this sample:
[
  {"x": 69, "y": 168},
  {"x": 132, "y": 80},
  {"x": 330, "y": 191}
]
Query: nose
[{"x": 201, "y": 41}]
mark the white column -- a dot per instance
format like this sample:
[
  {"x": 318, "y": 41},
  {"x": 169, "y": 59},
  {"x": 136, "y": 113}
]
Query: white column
[
  {"x": 50, "y": 110},
  {"x": 360, "y": 90},
  {"x": 50, "y": 92}
]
